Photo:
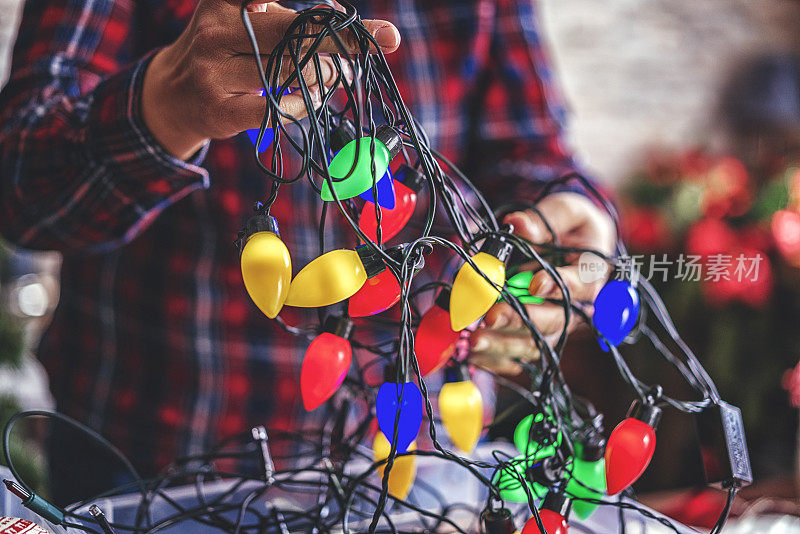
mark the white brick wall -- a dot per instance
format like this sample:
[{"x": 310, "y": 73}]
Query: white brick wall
[
  {"x": 639, "y": 73},
  {"x": 9, "y": 18}
]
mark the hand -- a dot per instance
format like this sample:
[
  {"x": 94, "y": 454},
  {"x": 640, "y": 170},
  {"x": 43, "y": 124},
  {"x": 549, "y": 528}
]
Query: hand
[
  {"x": 576, "y": 222},
  {"x": 205, "y": 85}
]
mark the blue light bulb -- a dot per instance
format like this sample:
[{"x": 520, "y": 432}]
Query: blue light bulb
[
  {"x": 266, "y": 141},
  {"x": 269, "y": 135},
  {"x": 616, "y": 310},
  {"x": 410, "y": 412},
  {"x": 385, "y": 192}
]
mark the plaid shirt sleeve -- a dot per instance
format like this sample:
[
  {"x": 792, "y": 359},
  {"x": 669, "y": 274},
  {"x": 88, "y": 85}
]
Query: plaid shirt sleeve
[
  {"x": 79, "y": 169},
  {"x": 520, "y": 137}
]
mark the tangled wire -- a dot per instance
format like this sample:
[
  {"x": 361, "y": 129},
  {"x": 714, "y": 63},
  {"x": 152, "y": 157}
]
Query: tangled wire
[{"x": 337, "y": 496}]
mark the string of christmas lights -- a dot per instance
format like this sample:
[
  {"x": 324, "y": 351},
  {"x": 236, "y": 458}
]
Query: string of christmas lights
[{"x": 365, "y": 156}]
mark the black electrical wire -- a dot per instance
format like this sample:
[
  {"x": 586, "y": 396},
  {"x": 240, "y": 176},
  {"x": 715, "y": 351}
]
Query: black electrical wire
[{"x": 317, "y": 464}]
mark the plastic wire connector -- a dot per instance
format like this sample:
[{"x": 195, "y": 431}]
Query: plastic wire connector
[
  {"x": 36, "y": 504},
  {"x": 49, "y": 511},
  {"x": 723, "y": 447}
]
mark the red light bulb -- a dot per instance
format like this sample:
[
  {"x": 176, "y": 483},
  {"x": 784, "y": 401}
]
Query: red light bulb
[
  {"x": 553, "y": 513},
  {"x": 553, "y": 523},
  {"x": 379, "y": 293},
  {"x": 326, "y": 363},
  {"x": 435, "y": 340},
  {"x": 393, "y": 220},
  {"x": 630, "y": 447}
]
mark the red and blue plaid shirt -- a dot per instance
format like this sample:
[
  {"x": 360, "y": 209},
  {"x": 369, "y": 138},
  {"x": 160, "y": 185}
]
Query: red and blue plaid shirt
[{"x": 155, "y": 342}]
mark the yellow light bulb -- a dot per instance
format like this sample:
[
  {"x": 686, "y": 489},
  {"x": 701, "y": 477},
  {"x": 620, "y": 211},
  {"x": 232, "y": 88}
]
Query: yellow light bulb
[
  {"x": 472, "y": 296},
  {"x": 404, "y": 469},
  {"x": 461, "y": 408},
  {"x": 266, "y": 271},
  {"x": 329, "y": 279}
]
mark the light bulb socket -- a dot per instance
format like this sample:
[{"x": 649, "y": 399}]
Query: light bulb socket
[
  {"x": 338, "y": 326},
  {"x": 591, "y": 448},
  {"x": 498, "y": 521},
  {"x": 648, "y": 414},
  {"x": 545, "y": 472},
  {"x": 410, "y": 177},
  {"x": 372, "y": 261},
  {"x": 398, "y": 254},
  {"x": 544, "y": 431},
  {"x": 390, "y": 139},
  {"x": 342, "y": 134},
  {"x": 260, "y": 222},
  {"x": 390, "y": 373},
  {"x": 497, "y": 246},
  {"x": 456, "y": 373},
  {"x": 557, "y": 501},
  {"x": 443, "y": 299}
]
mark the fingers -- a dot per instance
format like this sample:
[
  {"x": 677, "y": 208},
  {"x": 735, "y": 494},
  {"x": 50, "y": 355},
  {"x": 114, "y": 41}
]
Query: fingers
[
  {"x": 294, "y": 105},
  {"x": 246, "y": 111},
  {"x": 273, "y": 7},
  {"x": 575, "y": 221},
  {"x": 240, "y": 75},
  {"x": 270, "y": 28},
  {"x": 547, "y": 318},
  {"x": 563, "y": 212},
  {"x": 504, "y": 336},
  {"x": 572, "y": 217},
  {"x": 501, "y": 365},
  {"x": 497, "y": 351},
  {"x": 252, "y": 5},
  {"x": 580, "y": 287}
]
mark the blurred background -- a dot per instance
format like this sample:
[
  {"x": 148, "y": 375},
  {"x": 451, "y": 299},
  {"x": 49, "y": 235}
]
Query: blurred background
[{"x": 690, "y": 113}]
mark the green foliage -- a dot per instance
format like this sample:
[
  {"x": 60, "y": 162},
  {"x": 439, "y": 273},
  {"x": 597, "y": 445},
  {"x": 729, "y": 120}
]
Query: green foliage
[
  {"x": 12, "y": 341},
  {"x": 25, "y": 452},
  {"x": 643, "y": 192},
  {"x": 772, "y": 197}
]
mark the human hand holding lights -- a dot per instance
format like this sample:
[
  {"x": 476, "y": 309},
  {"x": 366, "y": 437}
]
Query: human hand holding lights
[
  {"x": 203, "y": 86},
  {"x": 576, "y": 222}
]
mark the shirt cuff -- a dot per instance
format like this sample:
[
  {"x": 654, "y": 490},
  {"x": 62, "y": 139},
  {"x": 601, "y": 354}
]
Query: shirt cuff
[{"x": 119, "y": 140}]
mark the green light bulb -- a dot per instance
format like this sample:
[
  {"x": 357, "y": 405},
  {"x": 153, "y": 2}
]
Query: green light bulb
[
  {"x": 521, "y": 280},
  {"x": 529, "y": 447},
  {"x": 507, "y": 480},
  {"x": 518, "y": 286},
  {"x": 591, "y": 474},
  {"x": 531, "y": 454},
  {"x": 588, "y": 478},
  {"x": 387, "y": 145}
]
